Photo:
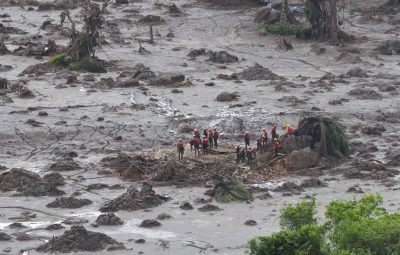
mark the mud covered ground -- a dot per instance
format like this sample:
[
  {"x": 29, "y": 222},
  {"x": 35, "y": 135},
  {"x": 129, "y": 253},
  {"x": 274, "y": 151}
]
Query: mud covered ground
[{"x": 79, "y": 116}]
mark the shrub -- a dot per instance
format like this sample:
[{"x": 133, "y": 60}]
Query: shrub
[
  {"x": 302, "y": 214},
  {"x": 225, "y": 192},
  {"x": 59, "y": 60},
  {"x": 88, "y": 65},
  {"x": 279, "y": 28}
]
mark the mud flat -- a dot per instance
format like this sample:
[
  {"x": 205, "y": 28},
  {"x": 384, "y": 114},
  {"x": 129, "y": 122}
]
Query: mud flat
[{"x": 101, "y": 143}]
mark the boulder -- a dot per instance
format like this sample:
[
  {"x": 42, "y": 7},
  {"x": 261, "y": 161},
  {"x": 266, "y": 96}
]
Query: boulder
[
  {"x": 302, "y": 159},
  {"x": 109, "y": 219}
]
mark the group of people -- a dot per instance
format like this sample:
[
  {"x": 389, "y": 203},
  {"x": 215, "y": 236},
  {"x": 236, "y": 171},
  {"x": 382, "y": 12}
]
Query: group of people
[
  {"x": 209, "y": 140},
  {"x": 243, "y": 154}
]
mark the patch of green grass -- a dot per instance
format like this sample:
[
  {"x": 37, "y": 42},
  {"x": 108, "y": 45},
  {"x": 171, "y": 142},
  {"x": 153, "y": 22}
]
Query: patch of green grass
[
  {"x": 279, "y": 28},
  {"x": 88, "y": 65},
  {"x": 59, "y": 60}
]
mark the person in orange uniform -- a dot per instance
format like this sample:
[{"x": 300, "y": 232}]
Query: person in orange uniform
[
  {"x": 196, "y": 143},
  {"x": 205, "y": 144},
  {"x": 181, "y": 149},
  {"x": 277, "y": 146}
]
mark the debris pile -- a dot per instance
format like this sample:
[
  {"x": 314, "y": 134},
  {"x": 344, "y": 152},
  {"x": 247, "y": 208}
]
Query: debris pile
[
  {"x": 69, "y": 202},
  {"x": 258, "y": 72}
]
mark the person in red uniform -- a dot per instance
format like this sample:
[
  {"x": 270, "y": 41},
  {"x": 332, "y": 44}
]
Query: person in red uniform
[
  {"x": 277, "y": 146},
  {"x": 290, "y": 130},
  {"x": 180, "y": 148},
  {"x": 216, "y": 135},
  {"x": 260, "y": 143},
  {"x": 196, "y": 133},
  {"x": 273, "y": 132},
  {"x": 210, "y": 138},
  {"x": 247, "y": 139},
  {"x": 250, "y": 155},
  {"x": 196, "y": 143},
  {"x": 265, "y": 133},
  {"x": 205, "y": 144}
]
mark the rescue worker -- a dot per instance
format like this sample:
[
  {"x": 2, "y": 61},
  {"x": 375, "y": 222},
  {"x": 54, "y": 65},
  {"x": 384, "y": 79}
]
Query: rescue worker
[
  {"x": 260, "y": 142},
  {"x": 242, "y": 155},
  {"x": 205, "y": 144},
  {"x": 290, "y": 130},
  {"x": 238, "y": 149},
  {"x": 181, "y": 149},
  {"x": 191, "y": 142},
  {"x": 196, "y": 143},
  {"x": 196, "y": 133},
  {"x": 210, "y": 138},
  {"x": 216, "y": 135},
  {"x": 250, "y": 155},
  {"x": 265, "y": 134},
  {"x": 273, "y": 132},
  {"x": 205, "y": 132},
  {"x": 277, "y": 146},
  {"x": 247, "y": 139}
]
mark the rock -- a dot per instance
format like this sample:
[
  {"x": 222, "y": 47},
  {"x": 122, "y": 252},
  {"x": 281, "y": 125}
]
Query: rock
[
  {"x": 97, "y": 186},
  {"x": 3, "y": 49},
  {"x": 197, "y": 52},
  {"x": 302, "y": 159},
  {"x": 363, "y": 93},
  {"x": 34, "y": 123},
  {"x": 11, "y": 30},
  {"x": 53, "y": 227},
  {"x": 223, "y": 57},
  {"x": 151, "y": 20},
  {"x": 16, "y": 225},
  {"x": 164, "y": 216},
  {"x": 202, "y": 200},
  {"x": 63, "y": 165},
  {"x": 264, "y": 196},
  {"x": 133, "y": 200},
  {"x": 293, "y": 143},
  {"x": 165, "y": 80},
  {"x": 140, "y": 241},
  {"x": 140, "y": 72},
  {"x": 393, "y": 157},
  {"x": 69, "y": 202},
  {"x": 176, "y": 91},
  {"x": 78, "y": 239},
  {"x": 288, "y": 187},
  {"x": 129, "y": 83},
  {"x": 121, "y": 1},
  {"x": 391, "y": 47},
  {"x": 226, "y": 96},
  {"x": 173, "y": 9},
  {"x": 268, "y": 15},
  {"x": 149, "y": 224},
  {"x": 209, "y": 208},
  {"x": 109, "y": 219},
  {"x": 17, "y": 178},
  {"x": 74, "y": 221},
  {"x": 55, "y": 178},
  {"x": 355, "y": 189},
  {"x": 186, "y": 206},
  {"x": 24, "y": 237},
  {"x": 250, "y": 223},
  {"x": 4, "y": 237},
  {"x": 313, "y": 183},
  {"x": 71, "y": 79},
  {"x": 42, "y": 113},
  {"x": 258, "y": 72},
  {"x": 40, "y": 188},
  {"x": 373, "y": 130},
  {"x": 357, "y": 72},
  {"x": 37, "y": 69}
]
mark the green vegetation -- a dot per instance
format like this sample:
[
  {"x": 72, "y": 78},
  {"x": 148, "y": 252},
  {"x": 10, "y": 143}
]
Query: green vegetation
[
  {"x": 356, "y": 227},
  {"x": 279, "y": 28},
  {"x": 231, "y": 191},
  {"x": 327, "y": 134},
  {"x": 59, "y": 60},
  {"x": 88, "y": 65}
]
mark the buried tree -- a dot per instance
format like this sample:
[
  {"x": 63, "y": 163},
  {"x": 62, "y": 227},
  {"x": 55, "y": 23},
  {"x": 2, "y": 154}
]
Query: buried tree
[{"x": 80, "y": 54}]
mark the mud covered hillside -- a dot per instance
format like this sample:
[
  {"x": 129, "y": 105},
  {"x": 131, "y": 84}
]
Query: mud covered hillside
[{"x": 88, "y": 160}]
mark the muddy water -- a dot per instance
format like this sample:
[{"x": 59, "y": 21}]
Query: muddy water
[{"x": 157, "y": 126}]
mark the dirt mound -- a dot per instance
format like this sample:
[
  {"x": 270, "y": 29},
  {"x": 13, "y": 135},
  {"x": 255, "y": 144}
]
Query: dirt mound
[
  {"x": 77, "y": 239},
  {"x": 171, "y": 171},
  {"x": 258, "y": 72},
  {"x": 227, "y": 97},
  {"x": 62, "y": 165},
  {"x": 302, "y": 159},
  {"x": 389, "y": 47},
  {"x": 373, "y": 130},
  {"x": 133, "y": 200},
  {"x": 69, "y": 202},
  {"x": 109, "y": 219},
  {"x": 131, "y": 168},
  {"x": 149, "y": 224},
  {"x": 313, "y": 183},
  {"x": 357, "y": 72},
  {"x": 17, "y": 178},
  {"x": 40, "y": 188},
  {"x": 209, "y": 208},
  {"x": 365, "y": 94},
  {"x": 223, "y": 57},
  {"x": 54, "y": 178}
]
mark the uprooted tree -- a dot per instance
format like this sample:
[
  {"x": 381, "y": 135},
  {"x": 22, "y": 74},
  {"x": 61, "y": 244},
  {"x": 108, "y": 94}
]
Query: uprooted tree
[{"x": 80, "y": 53}]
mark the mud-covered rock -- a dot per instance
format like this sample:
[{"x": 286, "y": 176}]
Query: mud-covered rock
[
  {"x": 186, "y": 206},
  {"x": 3, "y": 49},
  {"x": 165, "y": 80},
  {"x": 313, "y": 183},
  {"x": 54, "y": 178},
  {"x": 151, "y": 20},
  {"x": 150, "y": 224},
  {"x": 24, "y": 237},
  {"x": 391, "y": 47},
  {"x": 198, "y": 52},
  {"x": 109, "y": 219},
  {"x": 17, "y": 178},
  {"x": 209, "y": 208},
  {"x": 223, "y": 57},
  {"x": 69, "y": 202},
  {"x": 164, "y": 216},
  {"x": 250, "y": 223},
  {"x": 393, "y": 157},
  {"x": 40, "y": 188},
  {"x": 302, "y": 159},
  {"x": 16, "y": 225},
  {"x": 171, "y": 172},
  {"x": 97, "y": 186},
  {"x": 357, "y": 72},
  {"x": 4, "y": 237},
  {"x": 288, "y": 187},
  {"x": 129, "y": 83},
  {"x": 293, "y": 143},
  {"x": 11, "y": 30},
  {"x": 373, "y": 130},
  {"x": 78, "y": 239},
  {"x": 258, "y": 72},
  {"x": 54, "y": 227},
  {"x": 264, "y": 196},
  {"x": 63, "y": 165},
  {"x": 74, "y": 221},
  {"x": 133, "y": 200},
  {"x": 364, "y": 93},
  {"x": 227, "y": 96},
  {"x": 355, "y": 189}
]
